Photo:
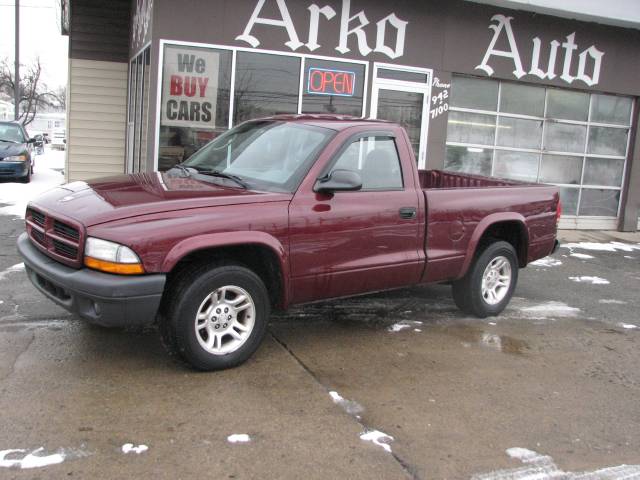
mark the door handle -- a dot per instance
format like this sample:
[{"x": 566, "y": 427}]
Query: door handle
[{"x": 408, "y": 213}]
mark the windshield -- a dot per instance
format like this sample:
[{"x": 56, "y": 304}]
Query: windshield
[
  {"x": 265, "y": 155},
  {"x": 10, "y": 132}
]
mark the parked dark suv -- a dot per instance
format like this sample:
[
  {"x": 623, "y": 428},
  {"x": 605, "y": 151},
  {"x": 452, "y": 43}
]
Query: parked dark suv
[{"x": 16, "y": 148}]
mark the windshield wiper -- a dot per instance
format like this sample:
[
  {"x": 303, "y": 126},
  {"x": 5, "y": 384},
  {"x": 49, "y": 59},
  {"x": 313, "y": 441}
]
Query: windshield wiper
[
  {"x": 12, "y": 141},
  {"x": 184, "y": 169},
  {"x": 218, "y": 173}
]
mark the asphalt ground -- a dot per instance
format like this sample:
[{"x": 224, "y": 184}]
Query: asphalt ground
[{"x": 557, "y": 374}]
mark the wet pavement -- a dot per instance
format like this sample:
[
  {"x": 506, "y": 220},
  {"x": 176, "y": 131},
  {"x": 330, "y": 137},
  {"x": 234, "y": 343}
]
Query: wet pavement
[{"x": 548, "y": 388}]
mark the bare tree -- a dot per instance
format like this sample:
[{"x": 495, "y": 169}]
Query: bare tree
[
  {"x": 34, "y": 94},
  {"x": 58, "y": 98}
]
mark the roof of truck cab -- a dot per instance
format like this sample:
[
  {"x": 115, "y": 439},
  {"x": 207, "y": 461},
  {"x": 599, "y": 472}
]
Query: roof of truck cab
[{"x": 334, "y": 122}]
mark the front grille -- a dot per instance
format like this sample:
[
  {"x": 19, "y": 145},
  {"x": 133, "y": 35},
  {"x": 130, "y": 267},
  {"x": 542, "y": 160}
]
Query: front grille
[
  {"x": 64, "y": 249},
  {"x": 39, "y": 237},
  {"x": 66, "y": 230},
  {"x": 37, "y": 217},
  {"x": 60, "y": 239}
]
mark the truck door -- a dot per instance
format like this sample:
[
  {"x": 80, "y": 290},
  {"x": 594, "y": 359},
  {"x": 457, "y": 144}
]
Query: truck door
[{"x": 351, "y": 242}]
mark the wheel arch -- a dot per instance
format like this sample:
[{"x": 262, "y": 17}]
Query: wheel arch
[
  {"x": 263, "y": 254},
  {"x": 510, "y": 227}
]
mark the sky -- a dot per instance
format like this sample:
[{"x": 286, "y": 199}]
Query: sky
[{"x": 39, "y": 36}]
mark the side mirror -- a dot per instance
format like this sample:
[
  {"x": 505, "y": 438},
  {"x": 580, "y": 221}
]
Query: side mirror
[
  {"x": 339, "y": 181},
  {"x": 32, "y": 140}
]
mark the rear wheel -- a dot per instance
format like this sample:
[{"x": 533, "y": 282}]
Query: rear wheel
[
  {"x": 488, "y": 286},
  {"x": 216, "y": 316}
]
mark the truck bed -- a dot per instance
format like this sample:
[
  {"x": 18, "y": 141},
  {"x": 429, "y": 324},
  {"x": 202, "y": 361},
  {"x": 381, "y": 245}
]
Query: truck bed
[{"x": 459, "y": 206}]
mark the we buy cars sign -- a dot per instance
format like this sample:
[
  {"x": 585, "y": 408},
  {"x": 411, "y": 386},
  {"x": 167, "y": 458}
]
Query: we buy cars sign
[{"x": 189, "y": 87}]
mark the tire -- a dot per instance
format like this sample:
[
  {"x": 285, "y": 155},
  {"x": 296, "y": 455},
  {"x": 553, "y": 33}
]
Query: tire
[
  {"x": 27, "y": 177},
  {"x": 496, "y": 261},
  {"x": 227, "y": 335}
]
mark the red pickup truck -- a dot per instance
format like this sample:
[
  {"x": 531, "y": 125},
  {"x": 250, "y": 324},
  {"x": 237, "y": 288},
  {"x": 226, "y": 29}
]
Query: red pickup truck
[{"x": 275, "y": 212}]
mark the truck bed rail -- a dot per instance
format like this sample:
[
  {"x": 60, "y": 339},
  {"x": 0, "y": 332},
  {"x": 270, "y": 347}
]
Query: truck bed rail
[{"x": 430, "y": 179}]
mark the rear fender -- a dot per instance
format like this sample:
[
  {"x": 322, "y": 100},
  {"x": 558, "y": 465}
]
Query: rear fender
[{"x": 482, "y": 228}]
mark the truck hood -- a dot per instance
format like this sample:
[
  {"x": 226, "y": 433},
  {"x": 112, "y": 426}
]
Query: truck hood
[{"x": 114, "y": 198}]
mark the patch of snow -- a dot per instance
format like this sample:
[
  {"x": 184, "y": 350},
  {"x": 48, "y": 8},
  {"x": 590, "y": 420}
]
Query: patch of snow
[
  {"x": 491, "y": 340},
  {"x": 129, "y": 447},
  {"x": 238, "y": 438},
  {"x": 547, "y": 262},
  {"x": 612, "y": 300},
  {"x": 603, "y": 247},
  {"x": 582, "y": 256},
  {"x": 350, "y": 406},
  {"x": 378, "y": 438},
  {"x": 628, "y": 326},
  {"x": 45, "y": 177},
  {"x": 417, "y": 330},
  {"x": 550, "y": 310},
  {"x": 30, "y": 460},
  {"x": 629, "y": 257},
  {"x": 402, "y": 325},
  {"x": 591, "y": 280},
  {"x": 18, "y": 267},
  {"x": 493, "y": 323},
  {"x": 542, "y": 467}
]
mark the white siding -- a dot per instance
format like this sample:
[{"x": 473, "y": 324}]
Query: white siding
[{"x": 96, "y": 121}]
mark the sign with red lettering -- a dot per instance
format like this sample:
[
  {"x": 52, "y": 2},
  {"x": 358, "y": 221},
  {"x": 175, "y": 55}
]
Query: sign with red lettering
[
  {"x": 322, "y": 81},
  {"x": 189, "y": 87}
]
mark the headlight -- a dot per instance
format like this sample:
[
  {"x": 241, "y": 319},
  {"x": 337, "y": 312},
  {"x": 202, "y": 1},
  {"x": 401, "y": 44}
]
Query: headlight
[
  {"x": 16, "y": 158},
  {"x": 111, "y": 257}
]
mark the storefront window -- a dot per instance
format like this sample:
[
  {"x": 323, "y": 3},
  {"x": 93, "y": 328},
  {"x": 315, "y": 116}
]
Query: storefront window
[
  {"x": 265, "y": 85},
  {"x": 567, "y": 105},
  {"x": 519, "y": 133},
  {"x": 576, "y": 140},
  {"x": 195, "y": 100},
  {"x": 138, "y": 111},
  {"x": 476, "y": 93},
  {"x": 333, "y": 87},
  {"x": 471, "y": 128},
  {"x": 610, "y": 109},
  {"x": 564, "y": 137},
  {"x": 522, "y": 99},
  {"x": 516, "y": 165},
  {"x": 469, "y": 160},
  {"x": 561, "y": 169},
  {"x": 197, "y": 95}
]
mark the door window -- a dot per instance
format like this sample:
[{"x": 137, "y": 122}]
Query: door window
[{"x": 376, "y": 160}]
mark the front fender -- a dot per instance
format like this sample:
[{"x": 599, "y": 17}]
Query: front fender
[
  {"x": 229, "y": 239},
  {"x": 482, "y": 227}
]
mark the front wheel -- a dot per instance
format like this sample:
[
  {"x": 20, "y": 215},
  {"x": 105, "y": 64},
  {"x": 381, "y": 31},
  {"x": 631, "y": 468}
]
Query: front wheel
[
  {"x": 216, "y": 316},
  {"x": 489, "y": 284},
  {"x": 27, "y": 177}
]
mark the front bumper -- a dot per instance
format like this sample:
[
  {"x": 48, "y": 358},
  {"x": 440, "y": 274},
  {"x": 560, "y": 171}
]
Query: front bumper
[
  {"x": 14, "y": 169},
  {"x": 101, "y": 298}
]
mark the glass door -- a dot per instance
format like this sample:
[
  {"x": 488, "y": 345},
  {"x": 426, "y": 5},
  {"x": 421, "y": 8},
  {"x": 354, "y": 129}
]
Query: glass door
[{"x": 402, "y": 95}]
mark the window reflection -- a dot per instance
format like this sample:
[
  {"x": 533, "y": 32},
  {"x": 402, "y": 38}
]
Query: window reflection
[{"x": 265, "y": 85}]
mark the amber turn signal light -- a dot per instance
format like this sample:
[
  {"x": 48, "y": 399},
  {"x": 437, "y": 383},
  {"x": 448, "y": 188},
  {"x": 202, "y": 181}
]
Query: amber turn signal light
[{"x": 112, "y": 267}]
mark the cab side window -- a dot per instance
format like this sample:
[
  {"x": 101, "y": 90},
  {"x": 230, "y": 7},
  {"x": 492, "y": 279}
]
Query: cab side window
[{"x": 376, "y": 160}]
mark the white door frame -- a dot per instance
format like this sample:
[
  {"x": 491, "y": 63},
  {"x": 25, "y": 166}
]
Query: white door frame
[{"x": 405, "y": 86}]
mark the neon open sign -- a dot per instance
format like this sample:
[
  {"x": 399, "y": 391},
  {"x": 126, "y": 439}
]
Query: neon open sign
[{"x": 322, "y": 81}]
